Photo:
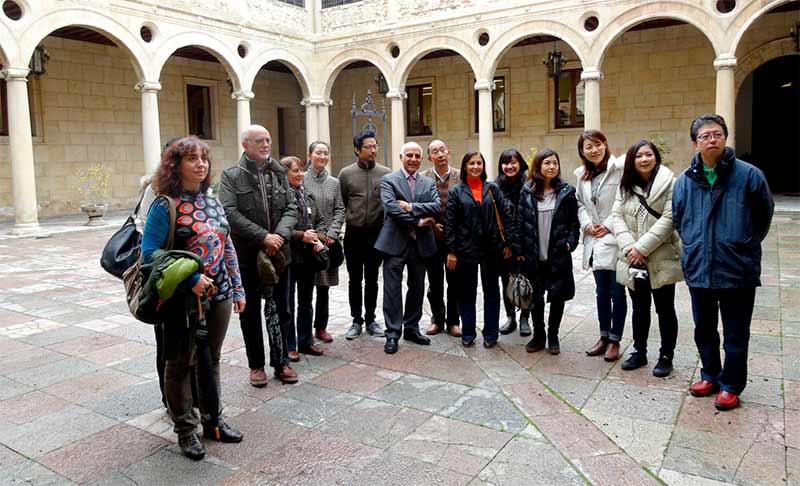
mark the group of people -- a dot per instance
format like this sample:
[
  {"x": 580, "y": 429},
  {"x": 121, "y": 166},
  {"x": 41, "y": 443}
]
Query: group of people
[{"x": 641, "y": 228}]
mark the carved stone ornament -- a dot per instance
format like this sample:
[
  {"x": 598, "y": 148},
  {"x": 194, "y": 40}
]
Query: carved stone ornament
[
  {"x": 354, "y": 15},
  {"x": 426, "y": 7}
]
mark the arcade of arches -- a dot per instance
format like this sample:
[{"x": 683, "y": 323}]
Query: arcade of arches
[{"x": 110, "y": 96}]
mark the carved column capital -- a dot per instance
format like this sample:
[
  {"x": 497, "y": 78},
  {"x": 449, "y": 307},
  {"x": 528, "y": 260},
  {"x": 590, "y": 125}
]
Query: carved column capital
[
  {"x": 484, "y": 85},
  {"x": 396, "y": 94},
  {"x": 725, "y": 61},
  {"x": 15, "y": 74},
  {"x": 148, "y": 87},
  {"x": 242, "y": 95},
  {"x": 591, "y": 74}
]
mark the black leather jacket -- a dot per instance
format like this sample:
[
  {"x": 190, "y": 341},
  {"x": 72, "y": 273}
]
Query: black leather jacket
[{"x": 470, "y": 229}]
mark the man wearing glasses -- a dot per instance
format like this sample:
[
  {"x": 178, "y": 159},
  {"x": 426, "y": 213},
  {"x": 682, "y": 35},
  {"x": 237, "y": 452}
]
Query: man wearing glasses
[
  {"x": 722, "y": 209},
  {"x": 361, "y": 192},
  {"x": 262, "y": 213}
]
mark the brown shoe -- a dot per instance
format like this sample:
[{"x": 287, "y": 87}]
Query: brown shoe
[
  {"x": 598, "y": 349},
  {"x": 612, "y": 353},
  {"x": 294, "y": 356},
  {"x": 312, "y": 350},
  {"x": 258, "y": 378},
  {"x": 286, "y": 375},
  {"x": 323, "y": 336},
  {"x": 454, "y": 331},
  {"x": 433, "y": 329}
]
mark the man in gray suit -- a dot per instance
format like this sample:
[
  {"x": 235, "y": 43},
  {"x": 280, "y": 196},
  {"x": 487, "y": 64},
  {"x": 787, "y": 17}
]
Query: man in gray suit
[{"x": 410, "y": 203}]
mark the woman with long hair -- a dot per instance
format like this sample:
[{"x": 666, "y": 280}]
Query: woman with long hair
[
  {"x": 649, "y": 251},
  {"x": 328, "y": 195},
  {"x": 476, "y": 221},
  {"x": 512, "y": 170},
  {"x": 596, "y": 187},
  {"x": 197, "y": 315},
  {"x": 546, "y": 232}
]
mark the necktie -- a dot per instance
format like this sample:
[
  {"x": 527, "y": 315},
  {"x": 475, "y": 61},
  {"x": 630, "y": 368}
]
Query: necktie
[{"x": 412, "y": 186}]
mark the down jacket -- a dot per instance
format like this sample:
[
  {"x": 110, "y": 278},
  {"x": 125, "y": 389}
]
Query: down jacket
[
  {"x": 565, "y": 230},
  {"x": 656, "y": 239},
  {"x": 601, "y": 253},
  {"x": 470, "y": 229},
  {"x": 722, "y": 227}
]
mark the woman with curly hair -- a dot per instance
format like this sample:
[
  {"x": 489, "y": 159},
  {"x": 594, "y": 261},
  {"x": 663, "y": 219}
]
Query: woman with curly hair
[{"x": 200, "y": 227}]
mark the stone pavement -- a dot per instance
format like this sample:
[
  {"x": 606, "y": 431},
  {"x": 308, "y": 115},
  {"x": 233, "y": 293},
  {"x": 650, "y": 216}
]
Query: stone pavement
[{"x": 79, "y": 400}]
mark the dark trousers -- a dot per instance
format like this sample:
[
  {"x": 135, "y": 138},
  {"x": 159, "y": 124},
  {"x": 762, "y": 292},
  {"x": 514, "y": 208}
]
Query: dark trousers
[
  {"x": 363, "y": 263},
  {"x": 736, "y": 308},
  {"x": 505, "y": 275},
  {"x": 250, "y": 320},
  {"x": 301, "y": 315},
  {"x": 322, "y": 308},
  {"x": 664, "y": 298},
  {"x": 556, "y": 306},
  {"x": 161, "y": 362},
  {"x": 202, "y": 358},
  {"x": 612, "y": 305},
  {"x": 399, "y": 319},
  {"x": 437, "y": 273},
  {"x": 467, "y": 274}
]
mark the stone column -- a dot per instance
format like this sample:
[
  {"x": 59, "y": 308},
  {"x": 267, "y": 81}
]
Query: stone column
[
  {"x": 726, "y": 93},
  {"x": 151, "y": 131},
  {"x": 323, "y": 110},
  {"x": 591, "y": 108},
  {"x": 242, "y": 110},
  {"x": 312, "y": 120},
  {"x": 398, "y": 125},
  {"x": 485, "y": 125},
  {"x": 20, "y": 141}
]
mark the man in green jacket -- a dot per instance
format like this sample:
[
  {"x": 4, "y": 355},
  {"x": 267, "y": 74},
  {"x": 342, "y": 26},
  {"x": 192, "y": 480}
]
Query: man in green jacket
[
  {"x": 361, "y": 192},
  {"x": 262, "y": 212}
]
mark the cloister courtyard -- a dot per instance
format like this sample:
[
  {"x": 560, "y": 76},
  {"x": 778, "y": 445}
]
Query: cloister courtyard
[{"x": 79, "y": 398}]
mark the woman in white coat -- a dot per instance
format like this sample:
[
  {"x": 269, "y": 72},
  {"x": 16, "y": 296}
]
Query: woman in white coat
[
  {"x": 596, "y": 187},
  {"x": 649, "y": 251}
]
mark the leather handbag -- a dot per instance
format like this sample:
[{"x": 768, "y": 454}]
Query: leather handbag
[
  {"x": 123, "y": 248},
  {"x": 336, "y": 254},
  {"x": 520, "y": 291},
  {"x": 317, "y": 260}
]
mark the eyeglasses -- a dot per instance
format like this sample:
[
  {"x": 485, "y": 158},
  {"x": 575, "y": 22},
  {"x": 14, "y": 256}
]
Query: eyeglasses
[
  {"x": 370, "y": 147},
  {"x": 438, "y": 151},
  {"x": 708, "y": 136},
  {"x": 261, "y": 141}
]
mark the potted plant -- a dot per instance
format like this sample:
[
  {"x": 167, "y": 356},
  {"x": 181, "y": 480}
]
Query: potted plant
[{"x": 93, "y": 188}]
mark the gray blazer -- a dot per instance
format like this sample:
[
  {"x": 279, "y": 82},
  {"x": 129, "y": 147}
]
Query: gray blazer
[{"x": 398, "y": 224}]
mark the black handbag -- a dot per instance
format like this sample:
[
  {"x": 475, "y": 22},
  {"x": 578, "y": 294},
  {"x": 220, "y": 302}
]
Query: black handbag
[
  {"x": 336, "y": 254},
  {"x": 123, "y": 248},
  {"x": 317, "y": 260}
]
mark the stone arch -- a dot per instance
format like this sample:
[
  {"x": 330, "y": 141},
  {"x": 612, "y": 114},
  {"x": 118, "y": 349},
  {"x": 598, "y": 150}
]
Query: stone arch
[
  {"x": 8, "y": 46},
  {"x": 759, "y": 56},
  {"x": 335, "y": 66},
  {"x": 746, "y": 17},
  {"x": 227, "y": 57},
  {"x": 106, "y": 25},
  {"x": 294, "y": 63},
  {"x": 693, "y": 15},
  {"x": 435, "y": 43},
  {"x": 527, "y": 29}
]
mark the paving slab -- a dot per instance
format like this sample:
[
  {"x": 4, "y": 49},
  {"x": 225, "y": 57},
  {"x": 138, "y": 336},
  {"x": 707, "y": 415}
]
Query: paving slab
[
  {"x": 616, "y": 398},
  {"x": 528, "y": 462},
  {"x": 356, "y": 378},
  {"x": 168, "y": 466},
  {"x": 374, "y": 423},
  {"x": 421, "y": 393},
  {"x": 308, "y": 405},
  {"x": 488, "y": 409}
]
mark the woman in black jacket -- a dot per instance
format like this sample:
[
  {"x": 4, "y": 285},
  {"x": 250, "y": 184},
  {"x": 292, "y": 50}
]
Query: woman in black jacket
[
  {"x": 546, "y": 230},
  {"x": 512, "y": 170},
  {"x": 476, "y": 219},
  {"x": 305, "y": 241}
]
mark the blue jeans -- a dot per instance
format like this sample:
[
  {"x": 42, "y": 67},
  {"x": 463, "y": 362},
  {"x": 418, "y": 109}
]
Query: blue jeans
[
  {"x": 736, "y": 308},
  {"x": 467, "y": 277},
  {"x": 612, "y": 304}
]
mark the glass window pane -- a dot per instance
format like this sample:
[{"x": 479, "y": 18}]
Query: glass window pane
[
  {"x": 499, "y": 104},
  {"x": 198, "y": 100}
]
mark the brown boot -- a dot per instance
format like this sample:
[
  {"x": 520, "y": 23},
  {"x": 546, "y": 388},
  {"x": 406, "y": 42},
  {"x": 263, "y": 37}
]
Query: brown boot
[
  {"x": 612, "y": 353},
  {"x": 433, "y": 329},
  {"x": 286, "y": 374},
  {"x": 598, "y": 349},
  {"x": 454, "y": 330}
]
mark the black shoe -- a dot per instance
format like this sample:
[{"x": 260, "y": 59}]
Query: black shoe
[
  {"x": 553, "y": 346},
  {"x": 535, "y": 345},
  {"x": 191, "y": 447},
  {"x": 489, "y": 344},
  {"x": 524, "y": 326},
  {"x": 417, "y": 337},
  {"x": 634, "y": 361},
  {"x": 391, "y": 346},
  {"x": 468, "y": 343},
  {"x": 222, "y": 433},
  {"x": 663, "y": 367},
  {"x": 509, "y": 327}
]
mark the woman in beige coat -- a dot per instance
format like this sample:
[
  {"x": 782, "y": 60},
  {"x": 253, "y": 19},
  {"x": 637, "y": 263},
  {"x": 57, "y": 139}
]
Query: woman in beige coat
[{"x": 649, "y": 251}]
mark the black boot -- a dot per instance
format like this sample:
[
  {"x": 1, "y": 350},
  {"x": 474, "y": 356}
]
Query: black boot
[
  {"x": 191, "y": 447},
  {"x": 524, "y": 327},
  {"x": 553, "y": 346},
  {"x": 539, "y": 339},
  {"x": 221, "y": 433},
  {"x": 510, "y": 325}
]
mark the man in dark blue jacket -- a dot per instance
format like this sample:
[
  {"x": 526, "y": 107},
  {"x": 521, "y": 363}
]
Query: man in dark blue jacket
[{"x": 722, "y": 208}]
